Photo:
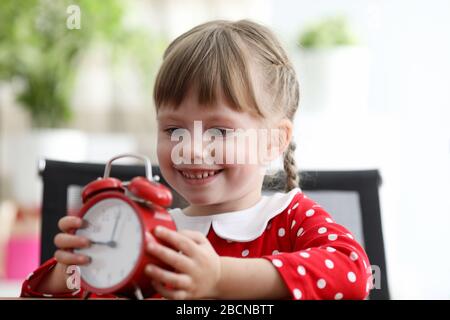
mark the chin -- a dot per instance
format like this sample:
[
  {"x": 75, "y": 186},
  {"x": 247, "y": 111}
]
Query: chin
[{"x": 199, "y": 200}]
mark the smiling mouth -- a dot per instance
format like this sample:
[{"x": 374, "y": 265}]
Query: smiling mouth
[{"x": 199, "y": 174}]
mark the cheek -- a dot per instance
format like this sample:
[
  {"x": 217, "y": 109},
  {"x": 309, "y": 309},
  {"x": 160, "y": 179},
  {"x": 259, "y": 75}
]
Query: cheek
[
  {"x": 243, "y": 176},
  {"x": 163, "y": 150},
  {"x": 242, "y": 152},
  {"x": 229, "y": 153}
]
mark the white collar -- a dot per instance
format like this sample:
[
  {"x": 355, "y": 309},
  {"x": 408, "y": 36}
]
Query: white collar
[{"x": 242, "y": 225}]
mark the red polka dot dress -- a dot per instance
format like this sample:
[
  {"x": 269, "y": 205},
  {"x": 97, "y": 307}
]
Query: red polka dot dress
[{"x": 316, "y": 257}]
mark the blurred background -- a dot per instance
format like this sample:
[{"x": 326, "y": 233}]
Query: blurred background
[{"x": 76, "y": 85}]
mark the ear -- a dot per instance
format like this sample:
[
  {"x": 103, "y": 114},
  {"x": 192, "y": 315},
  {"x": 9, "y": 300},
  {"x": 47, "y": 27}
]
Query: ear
[
  {"x": 279, "y": 141},
  {"x": 286, "y": 127}
]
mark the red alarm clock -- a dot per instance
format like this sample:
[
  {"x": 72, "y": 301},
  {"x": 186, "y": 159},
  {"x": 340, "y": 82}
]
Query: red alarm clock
[{"x": 120, "y": 218}]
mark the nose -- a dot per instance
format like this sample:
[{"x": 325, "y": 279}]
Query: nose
[
  {"x": 193, "y": 144},
  {"x": 196, "y": 150}
]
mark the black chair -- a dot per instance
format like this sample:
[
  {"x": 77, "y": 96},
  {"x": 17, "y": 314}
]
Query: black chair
[{"x": 350, "y": 196}]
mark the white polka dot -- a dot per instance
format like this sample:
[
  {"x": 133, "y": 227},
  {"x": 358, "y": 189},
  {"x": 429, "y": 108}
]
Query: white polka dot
[
  {"x": 281, "y": 232},
  {"x": 295, "y": 206},
  {"x": 245, "y": 253},
  {"x": 304, "y": 254},
  {"x": 297, "y": 294},
  {"x": 338, "y": 296},
  {"x": 365, "y": 264},
  {"x": 322, "y": 230},
  {"x": 321, "y": 283},
  {"x": 301, "y": 270},
  {"x": 289, "y": 211},
  {"x": 332, "y": 237},
  {"x": 331, "y": 249},
  {"x": 29, "y": 276},
  {"x": 329, "y": 220},
  {"x": 350, "y": 236},
  {"x": 275, "y": 252},
  {"x": 353, "y": 256},
  {"x": 329, "y": 264},
  {"x": 310, "y": 213},
  {"x": 47, "y": 295},
  {"x": 293, "y": 224},
  {"x": 351, "y": 277},
  {"x": 299, "y": 232},
  {"x": 277, "y": 263}
]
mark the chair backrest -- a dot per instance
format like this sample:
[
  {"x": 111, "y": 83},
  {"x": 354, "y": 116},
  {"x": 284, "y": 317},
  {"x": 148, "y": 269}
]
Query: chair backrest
[{"x": 350, "y": 196}]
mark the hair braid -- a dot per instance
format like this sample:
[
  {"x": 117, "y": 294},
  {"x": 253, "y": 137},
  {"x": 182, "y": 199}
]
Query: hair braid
[{"x": 292, "y": 177}]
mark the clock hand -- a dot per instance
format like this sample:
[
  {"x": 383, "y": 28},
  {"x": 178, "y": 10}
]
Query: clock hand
[
  {"x": 115, "y": 226},
  {"x": 111, "y": 244}
]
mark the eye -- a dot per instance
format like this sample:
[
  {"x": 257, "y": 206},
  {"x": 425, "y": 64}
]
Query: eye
[
  {"x": 171, "y": 130},
  {"x": 220, "y": 132}
]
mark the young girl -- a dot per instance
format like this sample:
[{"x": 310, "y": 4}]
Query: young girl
[{"x": 232, "y": 242}]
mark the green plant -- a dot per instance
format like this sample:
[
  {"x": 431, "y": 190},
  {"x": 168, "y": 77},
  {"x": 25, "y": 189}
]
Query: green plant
[
  {"x": 38, "y": 49},
  {"x": 327, "y": 33}
]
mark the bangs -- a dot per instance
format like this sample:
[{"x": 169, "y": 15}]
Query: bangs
[{"x": 212, "y": 61}]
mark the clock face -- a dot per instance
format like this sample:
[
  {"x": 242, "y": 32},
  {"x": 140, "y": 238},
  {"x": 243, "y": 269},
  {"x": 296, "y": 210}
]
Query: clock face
[{"x": 115, "y": 232}]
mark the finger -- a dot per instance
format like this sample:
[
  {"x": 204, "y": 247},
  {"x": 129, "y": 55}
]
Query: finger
[
  {"x": 69, "y": 258},
  {"x": 176, "y": 280},
  {"x": 196, "y": 236},
  {"x": 169, "y": 294},
  {"x": 177, "y": 260},
  {"x": 69, "y": 241},
  {"x": 68, "y": 223},
  {"x": 176, "y": 240}
]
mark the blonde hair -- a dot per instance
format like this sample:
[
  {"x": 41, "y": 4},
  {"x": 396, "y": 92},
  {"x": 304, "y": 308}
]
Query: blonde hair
[{"x": 220, "y": 55}]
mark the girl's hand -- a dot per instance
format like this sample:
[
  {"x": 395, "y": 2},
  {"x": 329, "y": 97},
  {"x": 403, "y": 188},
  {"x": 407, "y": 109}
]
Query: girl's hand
[
  {"x": 55, "y": 281},
  {"x": 65, "y": 242},
  {"x": 196, "y": 263}
]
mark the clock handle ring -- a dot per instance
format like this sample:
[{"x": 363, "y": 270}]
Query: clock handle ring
[{"x": 148, "y": 165}]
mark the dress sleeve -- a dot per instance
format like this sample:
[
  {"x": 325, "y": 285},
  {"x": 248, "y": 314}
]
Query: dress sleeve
[
  {"x": 325, "y": 261},
  {"x": 31, "y": 283}
]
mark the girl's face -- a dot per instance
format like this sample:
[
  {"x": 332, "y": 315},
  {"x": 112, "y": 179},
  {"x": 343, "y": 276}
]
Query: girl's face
[{"x": 218, "y": 180}]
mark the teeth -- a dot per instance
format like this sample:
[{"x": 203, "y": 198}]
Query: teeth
[{"x": 199, "y": 175}]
